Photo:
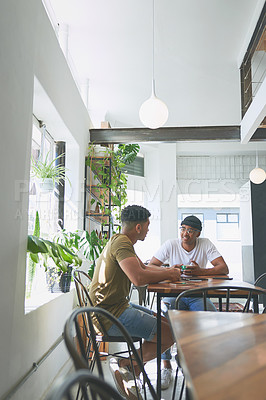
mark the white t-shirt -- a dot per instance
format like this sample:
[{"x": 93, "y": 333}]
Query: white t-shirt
[{"x": 172, "y": 251}]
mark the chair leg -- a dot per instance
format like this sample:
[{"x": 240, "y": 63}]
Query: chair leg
[
  {"x": 153, "y": 297},
  {"x": 175, "y": 381},
  {"x": 144, "y": 383}
]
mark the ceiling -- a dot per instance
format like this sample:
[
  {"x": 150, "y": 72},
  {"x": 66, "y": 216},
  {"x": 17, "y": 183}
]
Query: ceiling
[{"x": 196, "y": 56}]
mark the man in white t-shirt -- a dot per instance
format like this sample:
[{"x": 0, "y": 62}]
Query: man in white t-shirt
[{"x": 194, "y": 253}]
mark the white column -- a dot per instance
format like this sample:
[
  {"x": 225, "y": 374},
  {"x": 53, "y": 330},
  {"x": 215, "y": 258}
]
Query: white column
[
  {"x": 246, "y": 233},
  {"x": 168, "y": 191}
]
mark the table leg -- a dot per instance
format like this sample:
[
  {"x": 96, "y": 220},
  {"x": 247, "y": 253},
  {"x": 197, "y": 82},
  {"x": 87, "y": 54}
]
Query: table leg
[
  {"x": 256, "y": 304},
  {"x": 159, "y": 328}
]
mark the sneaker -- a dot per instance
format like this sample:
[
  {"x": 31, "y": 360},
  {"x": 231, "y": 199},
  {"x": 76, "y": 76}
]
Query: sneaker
[
  {"x": 133, "y": 389},
  {"x": 166, "y": 378},
  {"x": 117, "y": 375},
  {"x": 124, "y": 381}
]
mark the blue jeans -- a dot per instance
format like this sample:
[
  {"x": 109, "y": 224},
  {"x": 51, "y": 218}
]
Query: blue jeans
[{"x": 186, "y": 303}]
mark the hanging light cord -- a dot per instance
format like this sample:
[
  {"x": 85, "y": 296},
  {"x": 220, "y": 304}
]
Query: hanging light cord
[{"x": 153, "y": 34}]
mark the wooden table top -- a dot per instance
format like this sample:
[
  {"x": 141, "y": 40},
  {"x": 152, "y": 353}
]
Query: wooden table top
[
  {"x": 167, "y": 287},
  {"x": 223, "y": 354}
]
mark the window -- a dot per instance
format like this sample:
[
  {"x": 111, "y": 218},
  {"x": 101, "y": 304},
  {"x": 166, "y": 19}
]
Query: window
[
  {"x": 46, "y": 202},
  {"x": 227, "y": 226},
  {"x": 136, "y": 167},
  {"x": 42, "y": 200}
]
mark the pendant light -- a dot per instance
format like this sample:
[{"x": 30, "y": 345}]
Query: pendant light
[
  {"x": 257, "y": 175},
  {"x": 153, "y": 113}
]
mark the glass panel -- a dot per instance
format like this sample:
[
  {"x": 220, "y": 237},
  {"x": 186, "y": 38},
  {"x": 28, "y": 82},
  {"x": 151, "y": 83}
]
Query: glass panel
[
  {"x": 199, "y": 216},
  {"x": 233, "y": 218},
  {"x": 221, "y": 218}
]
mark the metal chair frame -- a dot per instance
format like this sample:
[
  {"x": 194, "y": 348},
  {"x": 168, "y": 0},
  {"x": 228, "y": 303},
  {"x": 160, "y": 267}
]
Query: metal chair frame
[
  {"x": 74, "y": 341},
  {"x": 85, "y": 300},
  {"x": 257, "y": 282},
  {"x": 228, "y": 292},
  {"x": 90, "y": 386},
  {"x": 260, "y": 278}
]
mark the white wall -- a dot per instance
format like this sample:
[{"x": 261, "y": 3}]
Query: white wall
[
  {"x": 160, "y": 197},
  {"x": 29, "y": 48}
]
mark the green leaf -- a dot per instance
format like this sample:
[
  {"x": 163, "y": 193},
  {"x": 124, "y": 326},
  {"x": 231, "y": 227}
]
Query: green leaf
[
  {"x": 36, "y": 245},
  {"x": 35, "y": 258},
  {"x": 36, "y": 231}
]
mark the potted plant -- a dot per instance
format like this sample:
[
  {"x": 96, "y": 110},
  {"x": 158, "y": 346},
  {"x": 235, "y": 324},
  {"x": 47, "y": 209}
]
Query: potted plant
[
  {"x": 62, "y": 259},
  {"x": 82, "y": 243},
  {"x": 48, "y": 172}
]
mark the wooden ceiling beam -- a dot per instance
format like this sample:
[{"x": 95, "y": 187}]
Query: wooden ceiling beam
[{"x": 180, "y": 134}]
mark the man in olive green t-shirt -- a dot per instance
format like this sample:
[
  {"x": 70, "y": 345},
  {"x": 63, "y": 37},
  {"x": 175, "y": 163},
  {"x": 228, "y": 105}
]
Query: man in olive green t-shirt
[{"x": 118, "y": 266}]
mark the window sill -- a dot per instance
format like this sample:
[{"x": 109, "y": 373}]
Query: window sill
[{"x": 41, "y": 298}]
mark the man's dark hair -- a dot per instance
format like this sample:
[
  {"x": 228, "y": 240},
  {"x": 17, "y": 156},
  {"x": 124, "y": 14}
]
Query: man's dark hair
[{"x": 134, "y": 214}]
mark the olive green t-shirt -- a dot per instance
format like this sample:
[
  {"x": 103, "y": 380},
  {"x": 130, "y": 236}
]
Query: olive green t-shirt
[{"x": 110, "y": 286}]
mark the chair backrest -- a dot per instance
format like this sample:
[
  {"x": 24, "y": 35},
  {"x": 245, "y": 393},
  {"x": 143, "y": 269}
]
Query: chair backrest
[
  {"x": 78, "y": 351},
  {"x": 82, "y": 281},
  {"x": 260, "y": 279},
  {"x": 258, "y": 282},
  {"x": 84, "y": 385},
  {"x": 228, "y": 292}
]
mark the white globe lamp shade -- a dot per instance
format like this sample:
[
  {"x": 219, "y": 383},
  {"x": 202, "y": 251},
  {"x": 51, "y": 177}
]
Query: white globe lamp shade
[
  {"x": 257, "y": 175},
  {"x": 153, "y": 113}
]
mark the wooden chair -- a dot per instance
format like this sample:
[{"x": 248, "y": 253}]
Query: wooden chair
[
  {"x": 82, "y": 282},
  {"x": 81, "y": 354},
  {"x": 89, "y": 387}
]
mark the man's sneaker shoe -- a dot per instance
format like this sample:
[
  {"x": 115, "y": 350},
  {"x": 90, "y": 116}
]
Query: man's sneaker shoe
[
  {"x": 117, "y": 375},
  {"x": 133, "y": 390},
  {"x": 124, "y": 381},
  {"x": 166, "y": 378}
]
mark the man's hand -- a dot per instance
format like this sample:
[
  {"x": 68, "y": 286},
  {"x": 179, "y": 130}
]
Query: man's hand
[
  {"x": 194, "y": 269},
  {"x": 174, "y": 273},
  {"x": 179, "y": 266}
]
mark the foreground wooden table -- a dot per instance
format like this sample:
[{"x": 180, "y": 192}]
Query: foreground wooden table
[
  {"x": 223, "y": 355},
  {"x": 167, "y": 289}
]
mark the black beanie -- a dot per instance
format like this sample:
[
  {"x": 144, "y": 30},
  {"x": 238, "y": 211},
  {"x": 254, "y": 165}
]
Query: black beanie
[{"x": 192, "y": 221}]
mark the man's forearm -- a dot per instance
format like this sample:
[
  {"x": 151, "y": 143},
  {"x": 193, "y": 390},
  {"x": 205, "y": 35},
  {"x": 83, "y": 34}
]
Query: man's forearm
[
  {"x": 151, "y": 275},
  {"x": 217, "y": 270},
  {"x": 153, "y": 267}
]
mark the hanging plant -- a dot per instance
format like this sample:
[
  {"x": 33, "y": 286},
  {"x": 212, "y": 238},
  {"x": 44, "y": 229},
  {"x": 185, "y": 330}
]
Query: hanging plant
[{"x": 49, "y": 170}]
